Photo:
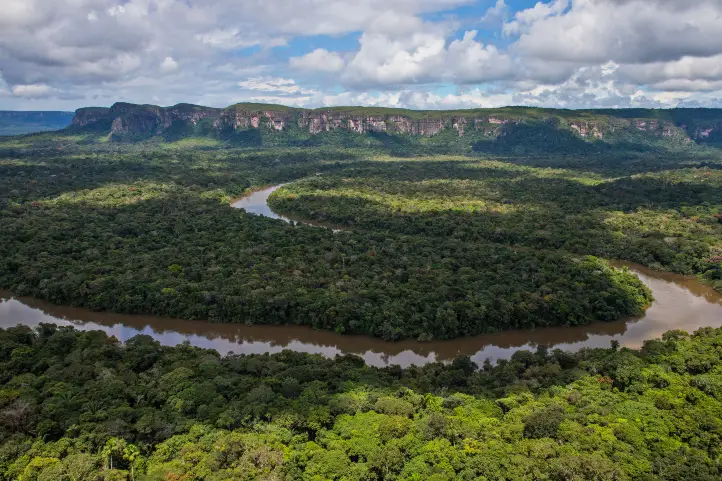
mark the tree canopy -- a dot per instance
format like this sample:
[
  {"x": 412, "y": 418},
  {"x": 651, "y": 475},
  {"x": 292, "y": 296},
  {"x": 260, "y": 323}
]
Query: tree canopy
[{"x": 82, "y": 406}]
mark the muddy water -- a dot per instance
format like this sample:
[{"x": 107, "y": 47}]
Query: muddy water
[
  {"x": 681, "y": 303},
  {"x": 257, "y": 203}
]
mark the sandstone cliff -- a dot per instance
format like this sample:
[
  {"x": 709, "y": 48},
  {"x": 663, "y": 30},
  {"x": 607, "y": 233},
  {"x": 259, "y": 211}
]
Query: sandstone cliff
[
  {"x": 682, "y": 125},
  {"x": 90, "y": 115}
]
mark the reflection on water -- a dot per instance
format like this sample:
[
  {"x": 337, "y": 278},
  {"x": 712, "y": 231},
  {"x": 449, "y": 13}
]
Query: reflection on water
[
  {"x": 681, "y": 303},
  {"x": 257, "y": 203}
]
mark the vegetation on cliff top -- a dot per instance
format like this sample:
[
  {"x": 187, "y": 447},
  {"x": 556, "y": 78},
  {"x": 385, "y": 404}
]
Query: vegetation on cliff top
[{"x": 407, "y": 132}]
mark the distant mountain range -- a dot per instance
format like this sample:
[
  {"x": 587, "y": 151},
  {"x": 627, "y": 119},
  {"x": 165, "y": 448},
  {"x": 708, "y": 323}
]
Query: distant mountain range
[
  {"x": 19, "y": 122},
  {"x": 510, "y": 129}
]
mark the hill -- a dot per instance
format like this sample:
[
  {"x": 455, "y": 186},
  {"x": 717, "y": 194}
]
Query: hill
[
  {"x": 519, "y": 130},
  {"x": 16, "y": 123}
]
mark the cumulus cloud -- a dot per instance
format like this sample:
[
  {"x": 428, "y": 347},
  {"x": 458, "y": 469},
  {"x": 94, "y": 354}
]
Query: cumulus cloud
[
  {"x": 686, "y": 73},
  {"x": 393, "y": 53},
  {"x": 320, "y": 60},
  {"x": 96, "y": 46},
  {"x": 525, "y": 19},
  {"x": 470, "y": 61},
  {"x": 625, "y": 31},
  {"x": 555, "y": 53}
]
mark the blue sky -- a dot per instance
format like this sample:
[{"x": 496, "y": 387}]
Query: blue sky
[{"x": 424, "y": 54}]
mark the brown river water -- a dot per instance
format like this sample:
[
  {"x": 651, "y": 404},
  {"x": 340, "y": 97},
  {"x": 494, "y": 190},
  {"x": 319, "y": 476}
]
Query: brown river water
[{"x": 680, "y": 303}]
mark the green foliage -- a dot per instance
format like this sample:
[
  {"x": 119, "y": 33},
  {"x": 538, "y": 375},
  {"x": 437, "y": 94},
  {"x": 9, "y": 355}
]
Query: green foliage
[
  {"x": 147, "y": 412},
  {"x": 668, "y": 218}
]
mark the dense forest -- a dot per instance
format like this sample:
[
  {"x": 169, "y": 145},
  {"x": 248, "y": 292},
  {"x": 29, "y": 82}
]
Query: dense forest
[
  {"x": 81, "y": 406},
  {"x": 668, "y": 218},
  {"x": 137, "y": 230}
]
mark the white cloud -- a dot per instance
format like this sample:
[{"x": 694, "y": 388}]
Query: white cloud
[
  {"x": 688, "y": 85},
  {"x": 226, "y": 39},
  {"x": 626, "y": 31},
  {"x": 294, "y": 101},
  {"x": 471, "y": 61},
  {"x": 93, "y": 46},
  {"x": 695, "y": 73},
  {"x": 320, "y": 60},
  {"x": 474, "y": 98},
  {"x": 524, "y": 19},
  {"x": 116, "y": 10},
  {"x": 36, "y": 91},
  {"x": 17, "y": 12},
  {"x": 418, "y": 52},
  {"x": 563, "y": 52},
  {"x": 385, "y": 58},
  {"x": 168, "y": 65},
  {"x": 111, "y": 67},
  {"x": 495, "y": 14},
  {"x": 270, "y": 84}
]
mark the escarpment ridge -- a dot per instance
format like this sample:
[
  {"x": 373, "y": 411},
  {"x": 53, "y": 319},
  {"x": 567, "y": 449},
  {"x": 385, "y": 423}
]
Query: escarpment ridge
[{"x": 252, "y": 123}]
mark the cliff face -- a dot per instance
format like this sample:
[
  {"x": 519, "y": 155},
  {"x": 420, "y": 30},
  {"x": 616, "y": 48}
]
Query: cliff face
[
  {"x": 320, "y": 120},
  {"x": 689, "y": 125},
  {"x": 150, "y": 119},
  {"x": 90, "y": 115}
]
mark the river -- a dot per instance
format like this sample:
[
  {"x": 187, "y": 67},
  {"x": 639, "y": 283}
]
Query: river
[
  {"x": 680, "y": 303},
  {"x": 256, "y": 202}
]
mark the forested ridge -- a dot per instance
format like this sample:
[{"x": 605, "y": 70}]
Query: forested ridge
[
  {"x": 509, "y": 130},
  {"x": 82, "y": 406}
]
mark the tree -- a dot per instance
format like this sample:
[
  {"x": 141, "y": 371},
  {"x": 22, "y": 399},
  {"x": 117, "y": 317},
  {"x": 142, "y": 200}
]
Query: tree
[
  {"x": 113, "y": 447},
  {"x": 131, "y": 453}
]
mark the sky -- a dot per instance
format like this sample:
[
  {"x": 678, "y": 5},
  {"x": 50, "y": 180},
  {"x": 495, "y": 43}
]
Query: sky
[{"x": 420, "y": 54}]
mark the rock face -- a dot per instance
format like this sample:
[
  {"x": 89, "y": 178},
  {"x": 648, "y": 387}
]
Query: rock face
[
  {"x": 150, "y": 119},
  {"x": 593, "y": 126},
  {"x": 584, "y": 129},
  {"x": 90, "y": 115}
]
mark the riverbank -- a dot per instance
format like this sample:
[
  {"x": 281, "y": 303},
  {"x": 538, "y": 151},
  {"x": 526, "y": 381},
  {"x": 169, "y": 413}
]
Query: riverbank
[{"x": 681, "y": 303}]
